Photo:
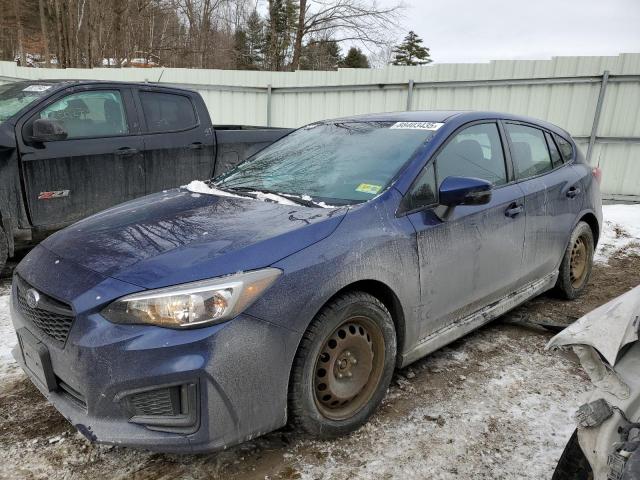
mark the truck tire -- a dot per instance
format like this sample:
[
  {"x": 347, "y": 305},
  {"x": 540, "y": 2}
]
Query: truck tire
[
  {"x": 343, "y": 366},
  {"x": 577, "y": 263},
  {"x": 573, "y": 465},
  {"x": 4, "y": 249}
]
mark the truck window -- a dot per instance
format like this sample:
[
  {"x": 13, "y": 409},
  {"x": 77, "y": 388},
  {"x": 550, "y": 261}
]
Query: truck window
[
  {"x": 98, "y": 113},
  {"x": 166, "y": 112}
]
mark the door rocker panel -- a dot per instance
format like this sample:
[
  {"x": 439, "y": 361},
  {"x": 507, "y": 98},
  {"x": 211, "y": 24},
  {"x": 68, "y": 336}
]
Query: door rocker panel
[{"x": 461, "y": 327}]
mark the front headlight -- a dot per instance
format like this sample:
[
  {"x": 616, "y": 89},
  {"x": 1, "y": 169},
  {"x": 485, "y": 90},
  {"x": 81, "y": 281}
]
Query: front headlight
[{"x": 189, "y": 304}]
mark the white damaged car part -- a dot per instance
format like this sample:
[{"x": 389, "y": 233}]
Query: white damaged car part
[{"x": 606, "y": 342}]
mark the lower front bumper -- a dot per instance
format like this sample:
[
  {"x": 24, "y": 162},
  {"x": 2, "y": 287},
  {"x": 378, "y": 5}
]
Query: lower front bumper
[{"x": 239, "y": 372}]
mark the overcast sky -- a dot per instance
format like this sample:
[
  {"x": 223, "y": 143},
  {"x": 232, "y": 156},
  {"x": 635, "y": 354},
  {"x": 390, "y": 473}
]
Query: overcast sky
[{"x": 482, "y": 30}]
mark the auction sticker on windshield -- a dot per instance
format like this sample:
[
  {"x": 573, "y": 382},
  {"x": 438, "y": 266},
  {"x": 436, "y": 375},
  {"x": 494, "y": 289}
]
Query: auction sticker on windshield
[
  {"x": 417, "y": 125},
  {"x": 368, "y": 188}
]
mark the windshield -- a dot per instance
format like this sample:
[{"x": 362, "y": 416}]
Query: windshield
[
  {"x": 16, "y": 96},
  {"x": 337, "y": 163}
]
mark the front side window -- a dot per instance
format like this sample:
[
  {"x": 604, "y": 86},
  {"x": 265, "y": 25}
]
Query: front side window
[
  {"x": 474, "y": 152},
  {"x": 16, "y": 96},
  {"x": 529, "y": 150},
  {"x": 98, "y": 113},
  {"x": 423, "y": 192},
  {"x": 338, "y": 163},
  {"x": 167, "y": 112}
]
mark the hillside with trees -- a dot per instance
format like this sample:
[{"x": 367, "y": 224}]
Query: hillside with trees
[{"x": 279, "y": 35}]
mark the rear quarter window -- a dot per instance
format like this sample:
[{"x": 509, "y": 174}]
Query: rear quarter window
[{"x": 565, "y": 148}]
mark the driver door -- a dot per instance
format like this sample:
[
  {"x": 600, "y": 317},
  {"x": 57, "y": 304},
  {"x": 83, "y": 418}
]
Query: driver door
[
  {"x": 98, "y": 165},
  {"x": 470, "y": 255}
]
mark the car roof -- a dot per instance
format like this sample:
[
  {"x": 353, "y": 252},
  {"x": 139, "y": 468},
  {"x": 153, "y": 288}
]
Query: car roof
[
  {"x": 444, "y": 116},
  {"x": 63, "y": 83}
]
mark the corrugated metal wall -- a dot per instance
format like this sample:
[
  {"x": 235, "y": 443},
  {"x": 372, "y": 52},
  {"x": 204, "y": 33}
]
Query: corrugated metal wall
[{"x": 563, "y": 90}]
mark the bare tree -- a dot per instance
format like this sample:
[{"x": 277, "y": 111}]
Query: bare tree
[
  {"x": 17, "y": 9},
  {"x": 356, "y": 20},
  {"x": 45, "y": 31}
]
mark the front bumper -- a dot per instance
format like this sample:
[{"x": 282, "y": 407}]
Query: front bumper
[{"x": 237, "y": 375}]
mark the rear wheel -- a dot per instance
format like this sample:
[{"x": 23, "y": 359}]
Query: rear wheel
[
  {"x": 4, "y": 249},
  {"x": 343, "y": 366},
  {"x": 576, "y": 263},
  {"x": 573, "y": 465}
]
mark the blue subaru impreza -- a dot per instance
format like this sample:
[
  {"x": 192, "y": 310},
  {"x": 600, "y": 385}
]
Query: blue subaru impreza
[{"x": 291, "y": 287}]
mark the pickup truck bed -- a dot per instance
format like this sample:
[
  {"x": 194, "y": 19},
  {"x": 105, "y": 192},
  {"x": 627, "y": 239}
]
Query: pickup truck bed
[{"x": 69, "y": 149}]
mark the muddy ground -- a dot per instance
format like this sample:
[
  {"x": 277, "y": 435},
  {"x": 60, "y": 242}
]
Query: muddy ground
[{"x": 492, "y": 405}]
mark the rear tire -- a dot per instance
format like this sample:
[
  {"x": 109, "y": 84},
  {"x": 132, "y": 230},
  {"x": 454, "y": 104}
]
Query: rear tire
[
  {"x": 573, "y": 465},
  {"x": 343, "y": 366},
  {"x": 577, "y": 263},
  {"x": 4, "y": 249}
]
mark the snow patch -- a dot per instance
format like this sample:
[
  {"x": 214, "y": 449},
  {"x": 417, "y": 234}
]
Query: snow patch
[
  {"x": 8, "y": 338},
  {"x": 198, "y": 186},
  {"x": 621, "y": 229}
]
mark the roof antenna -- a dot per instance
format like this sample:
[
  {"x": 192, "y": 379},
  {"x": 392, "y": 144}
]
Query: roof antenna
[{"x": 161, "y": 73}]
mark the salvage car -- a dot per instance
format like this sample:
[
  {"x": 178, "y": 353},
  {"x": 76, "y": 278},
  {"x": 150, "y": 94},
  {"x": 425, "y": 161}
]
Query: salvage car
[
  {"x": 606, "y": 443},
  {"x": 290, "y": 287},
  {"x": 69, "y": 149}
]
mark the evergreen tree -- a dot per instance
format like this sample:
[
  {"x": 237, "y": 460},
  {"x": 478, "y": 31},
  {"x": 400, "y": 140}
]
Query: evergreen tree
[
  {"x": 411, "y": 51},
  {"x": 320, "y": 55},
  {"x": 255, "y": 39},
  {"x": 355, "y": 59},
  {"x": 283, "y": 15}
]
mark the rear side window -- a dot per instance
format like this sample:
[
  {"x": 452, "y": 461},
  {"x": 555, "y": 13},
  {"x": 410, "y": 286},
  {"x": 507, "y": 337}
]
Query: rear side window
[
  {"x": 166, "y": 112},
  {"x": 476, "y": 152},
  {"x": 565, "y": 148},
  {"x": 98, "y": 113},
  {"x": 556, "y": 158},
  {"x": 528, "y": 150}
]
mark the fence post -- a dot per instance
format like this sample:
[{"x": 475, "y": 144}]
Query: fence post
[
  {"x": 269, "y": 94},
  {"x": 410, "y": 95},
  {"x": 596, "y": 116}
]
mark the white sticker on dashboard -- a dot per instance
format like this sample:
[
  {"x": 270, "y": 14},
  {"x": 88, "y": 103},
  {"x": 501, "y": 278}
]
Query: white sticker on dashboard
[
  {"x": 36, "y": 88},
  {"x": 417, "y": 125}
]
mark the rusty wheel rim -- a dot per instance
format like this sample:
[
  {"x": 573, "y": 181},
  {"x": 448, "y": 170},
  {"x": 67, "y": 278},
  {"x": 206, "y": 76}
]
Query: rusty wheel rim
[
  {"x": 348, "y": 368},
  {"x": 578, "y": 262}
]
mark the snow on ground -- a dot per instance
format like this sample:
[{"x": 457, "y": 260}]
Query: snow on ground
[
  {"x": 621, "y": 230},
  {"x": 492, "y": 405}
]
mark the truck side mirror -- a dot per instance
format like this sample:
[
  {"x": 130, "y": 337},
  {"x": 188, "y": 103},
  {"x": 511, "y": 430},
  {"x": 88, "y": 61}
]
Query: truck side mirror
[{"x": 48, "y": 130}]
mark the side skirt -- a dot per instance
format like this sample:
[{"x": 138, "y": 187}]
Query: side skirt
[{"x": 467, "y": 324}]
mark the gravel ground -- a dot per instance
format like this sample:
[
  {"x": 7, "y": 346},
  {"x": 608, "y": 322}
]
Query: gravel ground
[{"x": 492, "y": 405}]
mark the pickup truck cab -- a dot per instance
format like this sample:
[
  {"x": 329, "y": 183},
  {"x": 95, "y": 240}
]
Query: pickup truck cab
[{"x": 69, "y": 149}]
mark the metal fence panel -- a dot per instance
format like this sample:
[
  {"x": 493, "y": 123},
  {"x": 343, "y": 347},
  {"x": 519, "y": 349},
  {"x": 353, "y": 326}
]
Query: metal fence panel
[{"x": 563, "y": 90}]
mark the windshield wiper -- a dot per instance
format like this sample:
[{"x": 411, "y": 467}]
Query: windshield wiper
[{"x": 287, "y": 196}]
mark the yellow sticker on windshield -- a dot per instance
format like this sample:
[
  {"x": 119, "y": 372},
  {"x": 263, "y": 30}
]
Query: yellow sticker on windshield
[{"x": 368, "y": 188}]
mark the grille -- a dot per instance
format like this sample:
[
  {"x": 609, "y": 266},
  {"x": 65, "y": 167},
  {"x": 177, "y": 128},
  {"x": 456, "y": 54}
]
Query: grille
[
  {"x": 50, "y": 316},
  {"x": 163, "y": 401}
]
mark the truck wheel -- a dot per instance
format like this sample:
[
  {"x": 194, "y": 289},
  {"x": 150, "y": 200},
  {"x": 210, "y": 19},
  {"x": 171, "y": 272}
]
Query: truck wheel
[
  {"x": 343, "y": 366},
  {"x": 573, "y": 465},
  {"x": 577, "y": 262},
  {"x": 4, "y": 249}
]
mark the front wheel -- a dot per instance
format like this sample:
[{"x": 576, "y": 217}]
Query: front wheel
[
  {"x": 343, "y": 366},
  {"x": 4, "y": 249},
  {"x": 577, "y": 262}
]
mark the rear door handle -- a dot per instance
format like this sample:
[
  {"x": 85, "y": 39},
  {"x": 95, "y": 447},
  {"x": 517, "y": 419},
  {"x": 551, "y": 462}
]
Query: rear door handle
[
  {"x": 573, "y": 192},
  {"x": 196, "y": 146},
  {"x": 125, "y": 152},
  {"x": 514, "y": 210}
]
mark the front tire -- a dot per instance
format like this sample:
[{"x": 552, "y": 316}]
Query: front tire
[
  {"x": 577, "y": 263},
  {"x": 4, "y": 249},
  {"x": 343, "y": 366},
  {"x": 573, "y": 465}
]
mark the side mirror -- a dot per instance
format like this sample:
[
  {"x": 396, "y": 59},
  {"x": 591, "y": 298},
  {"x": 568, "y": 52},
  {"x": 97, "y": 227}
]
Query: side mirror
[
  {"x": 465, "y": 191},
  {"x": 48, "y": 130}
]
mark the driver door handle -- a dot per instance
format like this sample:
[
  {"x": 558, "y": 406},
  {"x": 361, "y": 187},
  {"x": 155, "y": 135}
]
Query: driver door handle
[
  {"x": 125, "y": 152},
  {"x": 514, "y": 210},
  {"x": 196, "y": 146}
]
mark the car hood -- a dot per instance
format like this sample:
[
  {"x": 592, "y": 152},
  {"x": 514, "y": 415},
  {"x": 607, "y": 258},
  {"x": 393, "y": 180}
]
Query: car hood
[
  {"x": 177, "y": 236},
  {"x": 608, "y": 328}
]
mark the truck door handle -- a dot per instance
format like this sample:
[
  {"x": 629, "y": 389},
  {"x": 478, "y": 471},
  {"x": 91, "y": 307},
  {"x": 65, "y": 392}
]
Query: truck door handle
[
  {"x": 196, "y": 146},
  {"x": 513, "y": 210},
  {"x": 573, "y": 192},
  {"x": 125, "y": 152}
]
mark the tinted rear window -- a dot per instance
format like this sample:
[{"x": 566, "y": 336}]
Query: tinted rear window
[
  {"x": 565, "y": 148},
  {"x": 166, "y": 112},
  {"x": 528, "y": 150}
]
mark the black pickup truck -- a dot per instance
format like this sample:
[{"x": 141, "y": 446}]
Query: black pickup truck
[{"x": 72, "y": 148}]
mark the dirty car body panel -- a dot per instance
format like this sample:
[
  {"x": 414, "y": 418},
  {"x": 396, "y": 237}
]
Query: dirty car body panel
[
  {"x": 199, "y": 389},
  {"x": 606, "y": 342}
]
